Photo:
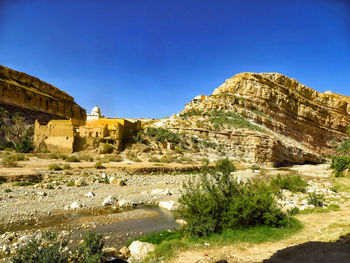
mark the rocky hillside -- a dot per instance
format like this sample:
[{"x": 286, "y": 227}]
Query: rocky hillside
[
  {"x": 266, "y": 118},
  {"x": 36, "y": 98}
]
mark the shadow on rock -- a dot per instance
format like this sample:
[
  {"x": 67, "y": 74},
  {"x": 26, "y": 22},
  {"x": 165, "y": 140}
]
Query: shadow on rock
[{"x": 310, "y": 252}]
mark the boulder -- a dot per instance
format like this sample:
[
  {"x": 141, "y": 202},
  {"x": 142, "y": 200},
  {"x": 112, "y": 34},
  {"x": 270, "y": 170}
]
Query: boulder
[
  {"x": 90, "y": 194},
  {"x": 169, "y": 205},
  {"x": 124, "y": 252},
  {"x": 139, "y": 251},
  {"x": 75, "y": 205},
  {"x": 110, "y": 200}
]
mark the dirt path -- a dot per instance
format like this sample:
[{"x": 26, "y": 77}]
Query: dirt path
[{"x": 317, "y": 227}]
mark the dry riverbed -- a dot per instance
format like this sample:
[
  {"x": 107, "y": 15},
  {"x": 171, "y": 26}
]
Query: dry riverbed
[{"x": 71, "y": 201}]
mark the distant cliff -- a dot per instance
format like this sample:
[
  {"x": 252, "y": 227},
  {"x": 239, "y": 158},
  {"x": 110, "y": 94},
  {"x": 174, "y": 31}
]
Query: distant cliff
[{"x": 36, "y": 98}]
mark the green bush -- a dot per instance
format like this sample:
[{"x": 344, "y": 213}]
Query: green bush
[
  {"x": 66, "y": 166},
  {"x": 55, "y": 167},
  {"x": 73, "y": 159},
  {"x": 91, "y": 249},
  {"x": 218, "y": 202},
  {"x": 316, "y": 199},
  {"x": 49, "y": 249},
  {"x": 115, "y": 158},
  {"x": 339, "y": 164},
  {"x": 289, "y": 182},
  {"x": 45, "y": 249},
  {"x": 161, "y": 135},
  {"x": 25, "y": 145},
  {"x": 139, "y": 137},
  {"x": 7, "y": 190},
  {"x": 86, "y": 158},
  {"x": 54, "y": 155},
  {"x": 107, "y": 148}
]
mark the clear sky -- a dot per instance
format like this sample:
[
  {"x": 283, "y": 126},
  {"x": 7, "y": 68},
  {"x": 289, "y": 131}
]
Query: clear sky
[{"x": 147, "y": 58}]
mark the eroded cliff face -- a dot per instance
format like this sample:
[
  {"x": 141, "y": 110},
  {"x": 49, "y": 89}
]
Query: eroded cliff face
[
  {"x": 312, "y": 118},
  {"x": 268, "y": 118},
  {"x": 21, "y": 91}
]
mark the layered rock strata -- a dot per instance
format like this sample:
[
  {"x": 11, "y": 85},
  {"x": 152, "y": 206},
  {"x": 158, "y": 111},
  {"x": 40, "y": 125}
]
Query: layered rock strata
[{"x": 22, "y": 91}]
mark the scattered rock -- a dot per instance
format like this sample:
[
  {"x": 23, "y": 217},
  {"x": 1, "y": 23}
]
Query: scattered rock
[
  {"x": 169, "y": 205},
  {"x": 110, "y": 200},
  {"x": 80, "y": 182},
  {"x": 181, "y": 222},
  {"x": 75, "y": 205},
  {"x": 139, "y": 251},
  {"x": 90, "y": 194}
]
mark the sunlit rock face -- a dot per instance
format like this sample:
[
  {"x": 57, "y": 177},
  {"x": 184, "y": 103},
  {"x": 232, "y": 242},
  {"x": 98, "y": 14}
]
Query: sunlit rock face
[
  {"x": 36, "y": 97},
  {"x": 300, "y": 124}
]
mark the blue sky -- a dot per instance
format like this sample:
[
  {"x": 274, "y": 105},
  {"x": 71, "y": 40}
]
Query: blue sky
[{"x": 148, "y": 58}]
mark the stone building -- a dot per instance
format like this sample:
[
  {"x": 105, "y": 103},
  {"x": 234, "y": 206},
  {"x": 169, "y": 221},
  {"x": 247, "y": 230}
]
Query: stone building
[{"x": 65, "y": 137}]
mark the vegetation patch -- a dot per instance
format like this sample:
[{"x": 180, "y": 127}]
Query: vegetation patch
[
  {"x": 219, "y": 202},
  {"x": 330, "y": 208},
  {"x": 55, "y": 167},
  {"x": 316, "y": 199},
  {"x": 166, "y": 244},
  {"x": 289, "y": 182},
  {"x": 98, "y": 165},
  {"x": 221, "y": 119},
  {"x": 162, "y": 135},
  {"x": 49, "y": 249}
]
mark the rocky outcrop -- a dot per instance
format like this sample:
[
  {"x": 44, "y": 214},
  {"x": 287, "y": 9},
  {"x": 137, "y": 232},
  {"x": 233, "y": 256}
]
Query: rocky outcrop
[
  {"x": 37, "y": 98},
  {"x": 266, "y": 118},
  {"x": 289, "y": 108}
]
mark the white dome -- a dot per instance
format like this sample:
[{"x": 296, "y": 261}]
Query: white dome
[{"x": 96, "y": 111}]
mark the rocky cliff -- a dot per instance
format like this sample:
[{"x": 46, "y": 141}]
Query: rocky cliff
[
  {"x": 267, "y": 118},
  {"x": 36, "y": 98}
]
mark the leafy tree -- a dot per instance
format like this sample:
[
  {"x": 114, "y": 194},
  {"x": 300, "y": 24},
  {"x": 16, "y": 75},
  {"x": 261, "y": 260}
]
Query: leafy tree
[{"x": 16, "y": 132}]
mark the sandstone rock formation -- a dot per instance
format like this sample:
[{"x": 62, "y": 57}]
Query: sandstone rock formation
[
  {"x": 36, "y": 98},
  {"x": 299, "y": 112},
  {"x": 266, "y": 118}
]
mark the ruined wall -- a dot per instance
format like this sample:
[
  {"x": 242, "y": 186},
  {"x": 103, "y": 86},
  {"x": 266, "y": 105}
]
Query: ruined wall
[
  {"x": 24, "y": 91},
  {"x": 55, "y": 136}
]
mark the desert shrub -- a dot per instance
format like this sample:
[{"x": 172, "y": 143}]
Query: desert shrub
[
  {"x": 25, "y": 145},
  {"x": 218, "y": 202},
  {"x": 91, "y": 249},
  {"x": 50, "y": 187},
  {"x": 70, "y": 183},
  {"x": 316, "y": 199},
  {"x": 98, "y": 165},
  {"x": 207, "y": 144},
  {"x": 161, "y": 135},
  {"x": 107, "y": 148},
  {"x": 339, "y": 164},
  {"x": 289, "y": 182},
  {"x": 154, "y": 160},
  {"x": 63, "y": 157},
  {"x": 139, "y": 137},
  {"x": 55, "y": 167},
  {"x": 9, "y": 161},
  {"x": 194, "y": 112},
  {"x": 45, "y": 249},
  {"x": 86, "y": 158},
  {"x": 115, "y": 158},
  {"x": 54, "y": 155},
  {"x": 73, "y": 159},
  {"x": 66, "y": 166},
  {"x": 49, "y": 249},
  {"x": 7, "y": 190}
]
